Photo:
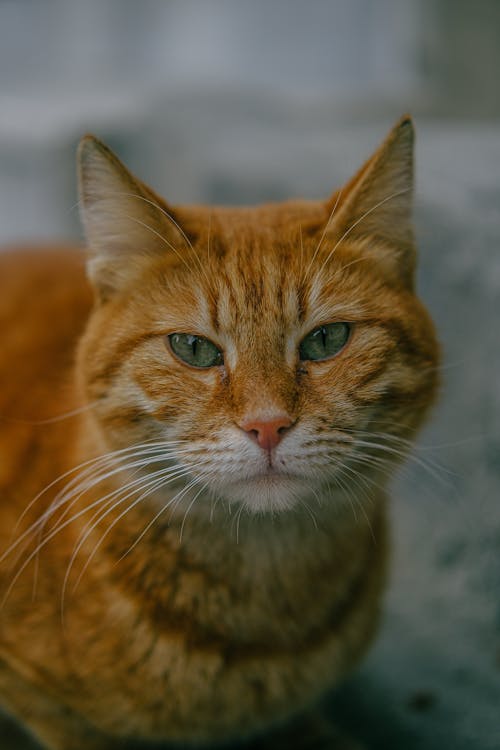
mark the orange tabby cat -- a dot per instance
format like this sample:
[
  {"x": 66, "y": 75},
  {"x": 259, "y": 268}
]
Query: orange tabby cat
[{"x": 192, "y": 503}]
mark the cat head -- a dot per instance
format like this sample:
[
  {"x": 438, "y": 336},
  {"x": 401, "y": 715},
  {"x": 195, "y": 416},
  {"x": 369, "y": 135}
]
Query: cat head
[{"x": 273, "y": 350}]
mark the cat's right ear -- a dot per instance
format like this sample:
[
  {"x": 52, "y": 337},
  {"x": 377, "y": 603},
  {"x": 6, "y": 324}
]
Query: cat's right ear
[
  {"x": 375, "y": 207},
  {"x": 125, "y": 222}
]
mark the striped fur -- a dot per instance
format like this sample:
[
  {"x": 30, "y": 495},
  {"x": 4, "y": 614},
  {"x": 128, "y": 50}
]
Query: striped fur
[{"x": 183, "y": 583}]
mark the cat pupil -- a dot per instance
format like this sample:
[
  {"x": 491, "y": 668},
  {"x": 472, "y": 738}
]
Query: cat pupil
[
  {"x": 193, "y": 340},
  {"x": 195, "y": 350},
  {"x": 324, "y": 342}
]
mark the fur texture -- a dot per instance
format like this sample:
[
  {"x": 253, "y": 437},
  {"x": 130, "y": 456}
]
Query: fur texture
[{"x": 191, "y": 553}]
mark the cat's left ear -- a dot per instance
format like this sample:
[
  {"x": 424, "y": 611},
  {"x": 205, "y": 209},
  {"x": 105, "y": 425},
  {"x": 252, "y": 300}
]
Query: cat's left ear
[
  {"x": 125, "y": 222},
  {"x": 375, "y": 207}
]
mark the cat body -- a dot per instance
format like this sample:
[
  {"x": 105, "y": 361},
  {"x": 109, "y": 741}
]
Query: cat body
[{"x": 193, "y": 537}]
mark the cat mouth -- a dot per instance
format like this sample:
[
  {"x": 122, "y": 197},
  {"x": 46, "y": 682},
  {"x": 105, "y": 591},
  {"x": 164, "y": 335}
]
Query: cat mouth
[{"x": 272, "y": 473}]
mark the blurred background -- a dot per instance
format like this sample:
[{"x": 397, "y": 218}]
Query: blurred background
[
  {"x": 227, "y": 101},
  {"x": 242, "y": 101}
]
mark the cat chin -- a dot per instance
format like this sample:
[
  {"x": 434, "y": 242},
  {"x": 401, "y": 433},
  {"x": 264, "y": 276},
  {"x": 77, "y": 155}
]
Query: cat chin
[{"x": 268, "y": 494}]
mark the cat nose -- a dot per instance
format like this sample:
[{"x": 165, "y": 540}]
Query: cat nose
[{"x": 267, "y": 432}]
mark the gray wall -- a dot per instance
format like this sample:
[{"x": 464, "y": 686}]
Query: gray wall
[{"x": 181, "y": 87}]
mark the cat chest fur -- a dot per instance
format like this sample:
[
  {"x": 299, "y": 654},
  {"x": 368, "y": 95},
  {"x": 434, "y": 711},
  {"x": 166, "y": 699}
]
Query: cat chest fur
[{"x": 213, "y": 656}]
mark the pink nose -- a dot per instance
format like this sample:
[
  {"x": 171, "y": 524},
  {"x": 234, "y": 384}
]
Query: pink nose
[{"x": 267, "y": 433}]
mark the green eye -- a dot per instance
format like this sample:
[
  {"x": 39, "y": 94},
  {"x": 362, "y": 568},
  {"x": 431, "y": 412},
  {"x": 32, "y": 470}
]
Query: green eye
[
  {"x": 325, "y": 341},
  {"x": 195, "y": 350}
]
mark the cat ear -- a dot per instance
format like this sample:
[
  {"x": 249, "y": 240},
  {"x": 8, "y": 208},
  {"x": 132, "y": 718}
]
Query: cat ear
[
  {"x": 376, "y": 205},
  {"x": 124, "y": 221}
]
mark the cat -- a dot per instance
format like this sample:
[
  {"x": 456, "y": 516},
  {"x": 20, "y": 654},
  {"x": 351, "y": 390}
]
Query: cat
[{"x": 200, "y": 416}]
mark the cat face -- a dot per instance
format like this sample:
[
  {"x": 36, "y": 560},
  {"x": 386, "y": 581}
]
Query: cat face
[{"x": 276, "y": 350}]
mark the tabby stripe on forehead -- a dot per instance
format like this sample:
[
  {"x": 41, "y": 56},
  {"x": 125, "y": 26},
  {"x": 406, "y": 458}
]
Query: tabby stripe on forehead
[
  {"x": 213, "y": 310},
  {"x": 280, "y": 291},
  {"x": 229, "y": 288},
  {"x": 256, "y": 291},
  {"x": 302, "y": 308}
]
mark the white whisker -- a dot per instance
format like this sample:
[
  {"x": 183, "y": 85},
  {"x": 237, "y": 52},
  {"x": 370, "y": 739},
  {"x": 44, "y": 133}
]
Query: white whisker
[
  {"x": 160, "y": 236},
  {"x": 89, "y": 463},
  {"x": 323, "y": 235},
  {"x": 146, "y": 489},
  {"x": 182, "y": 233},
  {"x": 75, "y": 488},
  {"x": 309, "y": 511},
  {"x": 188, "y": 509},
  {"x": 357, "y": 222}
]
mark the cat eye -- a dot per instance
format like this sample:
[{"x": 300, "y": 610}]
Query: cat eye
[
  {"x": 195, "y": 350},
  {"x": 324, "y": 342}
]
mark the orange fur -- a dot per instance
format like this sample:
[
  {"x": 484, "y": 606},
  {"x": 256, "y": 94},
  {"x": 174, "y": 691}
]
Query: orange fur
[{"x": 229, "y": 597}]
